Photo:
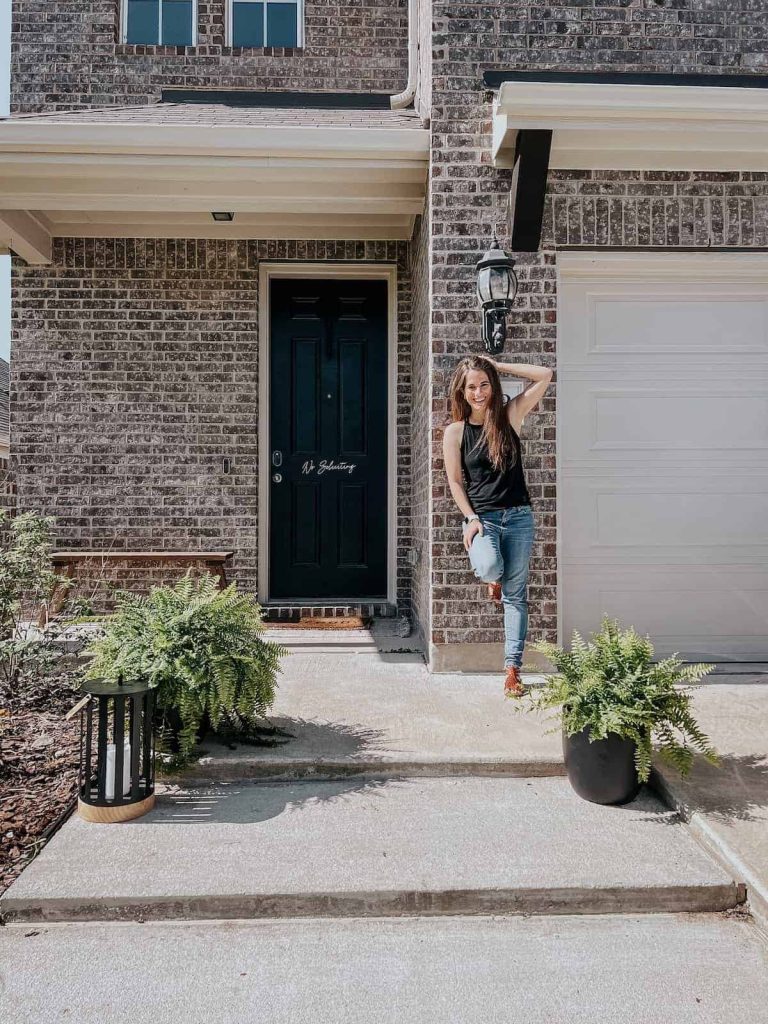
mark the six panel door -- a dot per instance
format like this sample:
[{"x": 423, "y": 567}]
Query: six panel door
[{"x": 328, "y": 440}]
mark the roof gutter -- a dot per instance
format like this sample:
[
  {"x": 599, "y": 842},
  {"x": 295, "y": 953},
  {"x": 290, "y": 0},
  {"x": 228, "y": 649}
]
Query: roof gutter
[{"x": 406, "y": 97}]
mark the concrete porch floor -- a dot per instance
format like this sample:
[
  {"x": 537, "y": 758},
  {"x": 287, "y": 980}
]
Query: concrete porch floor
[{"x": 358, "y": 710}]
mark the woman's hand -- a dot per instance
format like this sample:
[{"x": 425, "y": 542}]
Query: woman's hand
[{"x": 474, "y": 527}]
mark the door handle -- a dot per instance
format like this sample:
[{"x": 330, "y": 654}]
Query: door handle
[{"x": 277, "y": 458}]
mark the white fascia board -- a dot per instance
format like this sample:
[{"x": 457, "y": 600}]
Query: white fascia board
[
  {"x": 503, "y": 141},
  {"x": 220, "y": 140},
  {"x": 644, "y": 127}
]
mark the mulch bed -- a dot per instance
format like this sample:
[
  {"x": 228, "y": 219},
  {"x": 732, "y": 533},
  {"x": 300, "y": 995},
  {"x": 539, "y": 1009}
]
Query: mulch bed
[{"x": 39, "y": 754}]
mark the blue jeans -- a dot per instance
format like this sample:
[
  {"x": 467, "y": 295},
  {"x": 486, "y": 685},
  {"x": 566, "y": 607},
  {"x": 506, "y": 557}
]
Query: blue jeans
[{"x": 503, "y": 552}]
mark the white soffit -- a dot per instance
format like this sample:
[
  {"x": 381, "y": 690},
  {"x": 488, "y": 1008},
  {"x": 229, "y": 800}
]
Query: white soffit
[
  {"x": 140, "y": 180},
  {"x": 636, "y": 127}
]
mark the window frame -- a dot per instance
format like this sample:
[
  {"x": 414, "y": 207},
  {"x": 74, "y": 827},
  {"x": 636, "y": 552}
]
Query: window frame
[
  {"x": 230, "y": 15},
  {"x": 124, "y": 26}
]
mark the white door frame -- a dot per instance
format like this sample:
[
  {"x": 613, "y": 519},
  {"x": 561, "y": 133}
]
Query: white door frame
[
  {"x": 599, "y": 264},
  {"x": 355, "y": 271}
]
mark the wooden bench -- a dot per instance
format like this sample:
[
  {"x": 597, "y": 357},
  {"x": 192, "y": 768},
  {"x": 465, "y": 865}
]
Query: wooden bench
[{"x": 67, "y": 560}]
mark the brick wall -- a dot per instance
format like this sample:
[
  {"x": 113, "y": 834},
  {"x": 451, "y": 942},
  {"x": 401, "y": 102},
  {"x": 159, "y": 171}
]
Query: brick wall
[
  {"x": 137, "y": 363},
  {"x": 651, "y": 209},
  {"x": 65, "y": 54},
  {"x": 627, "y": 208}
]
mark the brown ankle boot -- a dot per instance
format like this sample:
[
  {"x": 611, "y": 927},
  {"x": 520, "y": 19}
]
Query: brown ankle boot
[
  {"x": 513, "y": 685},
  {"x": 494, "y": 592}
]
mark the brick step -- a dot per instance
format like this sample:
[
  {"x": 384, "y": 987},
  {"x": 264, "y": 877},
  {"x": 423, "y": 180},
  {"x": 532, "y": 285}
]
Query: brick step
[{"x": 373, "y": 847}]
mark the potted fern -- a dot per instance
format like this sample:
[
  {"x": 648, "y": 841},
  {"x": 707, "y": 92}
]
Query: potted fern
[
  {"x": 201, "y": 648},
  {"x": 613, "y": 700}
]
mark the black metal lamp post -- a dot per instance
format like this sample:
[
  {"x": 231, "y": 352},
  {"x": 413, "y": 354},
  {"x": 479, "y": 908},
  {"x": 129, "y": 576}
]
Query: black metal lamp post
[
  {"x": 117, "y": 754},
  {"x": 496, "y": 290}
]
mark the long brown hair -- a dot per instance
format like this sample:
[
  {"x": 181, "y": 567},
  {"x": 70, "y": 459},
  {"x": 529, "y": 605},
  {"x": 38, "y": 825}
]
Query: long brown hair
[{"x": 497, "y": 431}]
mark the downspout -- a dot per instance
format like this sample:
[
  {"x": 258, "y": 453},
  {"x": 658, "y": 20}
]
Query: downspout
[{"x": 406, "y": 97}]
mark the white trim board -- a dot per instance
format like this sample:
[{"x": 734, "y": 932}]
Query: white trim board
[
  {"x": 360, "y": 271},
  {"x": 636, "y": 127}
]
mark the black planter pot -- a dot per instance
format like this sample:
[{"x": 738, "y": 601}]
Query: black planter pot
[
  {"x": 602, "y": 772},
  {"x": 174, "y": 724}
]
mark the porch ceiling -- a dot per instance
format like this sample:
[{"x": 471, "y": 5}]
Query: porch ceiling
[
  {"x": 159, "y": 171},
  {"x": 609, "y": 125}
]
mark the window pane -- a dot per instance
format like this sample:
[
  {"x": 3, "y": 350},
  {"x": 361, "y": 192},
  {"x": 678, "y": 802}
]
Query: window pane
[
  {"x": 247, "y": 24},
  {"x": 281, "y": 24},
  {"x": 177, "y": 22},
  {"x": 142, "y": 21}
]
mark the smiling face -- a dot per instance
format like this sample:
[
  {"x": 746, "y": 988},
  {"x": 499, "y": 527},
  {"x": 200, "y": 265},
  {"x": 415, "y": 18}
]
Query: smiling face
[{"x": 477, "y": 391}]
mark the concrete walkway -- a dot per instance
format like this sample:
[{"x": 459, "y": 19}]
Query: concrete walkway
[
  {"x": 652, "y": 969},
  {"x": 727, "y": 807},
  {"x": 402, "y": 815},
  {"x": 368, "y": 846},
  {"x": 364, "y": 711}
]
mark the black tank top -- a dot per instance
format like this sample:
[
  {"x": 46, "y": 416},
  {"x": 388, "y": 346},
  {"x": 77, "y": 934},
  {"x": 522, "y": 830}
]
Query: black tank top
[{"x": 488, "y": 488}]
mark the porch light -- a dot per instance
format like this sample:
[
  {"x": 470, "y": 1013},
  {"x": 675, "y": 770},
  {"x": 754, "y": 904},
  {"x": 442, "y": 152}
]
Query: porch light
[
  {"x": 496, "y": 290},
  {"x": 219, "y": 215}
]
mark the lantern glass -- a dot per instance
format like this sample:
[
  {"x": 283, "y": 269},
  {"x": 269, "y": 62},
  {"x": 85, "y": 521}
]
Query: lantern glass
[
  {"x": 484, "y": 285},
  {"x": 496, "y": 281},
  {"x": 500, "y": 284}
]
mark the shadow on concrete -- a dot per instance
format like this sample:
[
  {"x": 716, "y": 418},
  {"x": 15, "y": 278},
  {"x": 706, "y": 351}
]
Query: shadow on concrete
[
  {"x": 250, "y": 802},
  {"x": 301, "y": 738},
  {"x": 735, "y": 791}
]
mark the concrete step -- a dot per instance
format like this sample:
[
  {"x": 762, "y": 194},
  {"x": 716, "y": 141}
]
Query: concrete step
[
  {"x": 219, "y": 764},
  {"x": 366, "y": 846},
  {"x": 679, "y": 969},
  {"x": 360, "y": 713}
]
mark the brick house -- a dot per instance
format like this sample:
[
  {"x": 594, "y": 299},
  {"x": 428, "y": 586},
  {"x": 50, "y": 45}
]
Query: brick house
[{"x": 218, "y": 216}]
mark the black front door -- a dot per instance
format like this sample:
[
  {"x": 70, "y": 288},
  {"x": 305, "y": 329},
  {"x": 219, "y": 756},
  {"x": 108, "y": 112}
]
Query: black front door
[{"x": 328, "y": 440}]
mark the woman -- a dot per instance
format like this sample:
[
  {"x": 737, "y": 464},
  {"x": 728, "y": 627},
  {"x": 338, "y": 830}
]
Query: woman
[{"x": 483, "y": 461}]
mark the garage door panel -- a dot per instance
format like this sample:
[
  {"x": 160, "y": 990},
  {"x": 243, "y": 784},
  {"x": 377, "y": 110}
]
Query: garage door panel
[
  {"x": 681, "y": 519},
  {"x": 714, "y": 523},
  {"x": 701, "y": 615},
  {"x": 668, "y": 419},
  {"x": 654, "y": 322},
  {"x": 662, "y": 426},
  {"x": 629, "y": 319}
]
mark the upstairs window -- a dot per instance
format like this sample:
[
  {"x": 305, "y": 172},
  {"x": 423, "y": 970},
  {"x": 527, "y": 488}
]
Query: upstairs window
[
  {"x": 160, "y": 22},
  {"x": 265, "y": 23}
]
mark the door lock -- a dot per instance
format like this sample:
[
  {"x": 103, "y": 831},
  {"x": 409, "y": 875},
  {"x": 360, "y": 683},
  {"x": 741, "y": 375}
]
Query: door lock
[
  {"x": 277, "y": 458},
  {"x": 277, "y": 478}
]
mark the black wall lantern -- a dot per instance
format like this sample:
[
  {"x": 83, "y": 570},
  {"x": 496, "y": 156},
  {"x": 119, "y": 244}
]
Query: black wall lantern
[{"x": 496, "y": 290}]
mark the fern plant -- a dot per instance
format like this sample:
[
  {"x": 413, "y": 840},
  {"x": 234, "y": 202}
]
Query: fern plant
[
  {"x": 200, "y": 647},
  {"x": 612, "y": 686}
]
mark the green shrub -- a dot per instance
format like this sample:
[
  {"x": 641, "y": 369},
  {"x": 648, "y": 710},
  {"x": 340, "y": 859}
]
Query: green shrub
[
  {"x": 27, "y": 581},
  {"x": 200, "y": 647},
  {"x": 613, "y": 686}
]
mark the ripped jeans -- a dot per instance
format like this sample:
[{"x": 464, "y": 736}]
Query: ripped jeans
[{"x": 502, "y": 553}]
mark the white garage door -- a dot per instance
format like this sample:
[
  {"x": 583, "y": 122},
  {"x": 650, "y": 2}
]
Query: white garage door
[{"x": 662, "y": 431}]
